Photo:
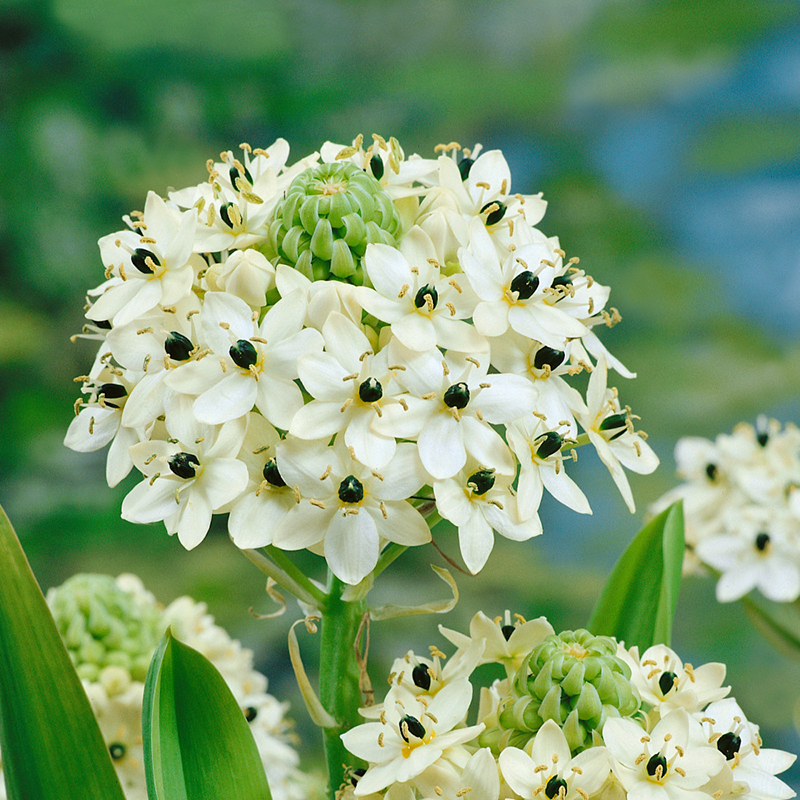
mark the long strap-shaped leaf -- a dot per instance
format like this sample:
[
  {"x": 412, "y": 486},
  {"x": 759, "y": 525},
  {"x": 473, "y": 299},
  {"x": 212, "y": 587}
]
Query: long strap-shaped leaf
[
  {"x": 52, "y": 746},
  {"x": 197, "y": 743},
  {"x": 638, "y": 603}
]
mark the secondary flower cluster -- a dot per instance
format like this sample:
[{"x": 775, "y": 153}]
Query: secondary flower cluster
[
  {"x": 111, "y": 628},
  {"x": 310, "y": 346},
  {"x": 578, "y": 716},
  {"x": 741, "y": 500}
]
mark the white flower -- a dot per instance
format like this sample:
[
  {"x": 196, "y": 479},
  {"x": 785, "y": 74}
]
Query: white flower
[
  {"x": 551, "y": 769},
  {"x": 351, "y": 386},
  {"x": 478, "y": 501},
  {"x": 506, "y": 642},
  {"x": 410, "y": 737},
  {"x": 757, "y": 550},
  {"x": 424, "y": 307},
  {"x": 667, "y": 763},
  {"x": 257, "y": 513},
  {"x": 153, "y": 269},
  {"x": 451, "y": 410},
  {"x": 99, "y": 421},
  {"x": 750, "y": 769},
  {"x": 666, "y": 683},
  {"x": 244, "y": 273},
  {"x": 185, "y": 483},
  {"x": 542, "y": 465},
  {"x": 610, "y": 430},
  {"x": 548, "y": 369},
  {"x": 259, "y": 362},
  {"x": 516, "y": 291},
  {"x": 348, "y": 508}
]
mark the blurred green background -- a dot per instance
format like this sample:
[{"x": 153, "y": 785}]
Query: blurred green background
[{"x": 665, "y": 135}]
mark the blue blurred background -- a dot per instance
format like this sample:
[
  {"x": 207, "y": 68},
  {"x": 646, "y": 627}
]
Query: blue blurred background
[{"x": 665, "y": 135}]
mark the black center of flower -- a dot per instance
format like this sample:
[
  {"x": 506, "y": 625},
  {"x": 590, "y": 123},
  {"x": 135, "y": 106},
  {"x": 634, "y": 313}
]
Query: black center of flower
[
  {"x": 112, "y": 390},
  {"x": 177, "y": 346},
  {"x": 507, "y": 630},
  {"x": 244, "y": 354},
  {"x": 549, "y": 443},
  {"x": 525, "y": 284},
  {"x": 139, "y": 260},
  {"x": 411, "y": 726},
  {"x": 184, "y": 465},
  {"x": 250, "y": 713},
  {"x": 271, "y": 474},
  {"x": 554, "y": 786},
  {"x": 225, "y": 214},
  {"x": 762, "y": 437},
  {"x": 728, "y": 744},
  {"x": 548, "y": 356},
  {"x": 614, "y": 424},
  {"x": 370, "y": 390},
  {"x": 496, "y": 214},
  {"x": 666, "y": 682},
  {"x": 464, "y": 167},
  {"x": 427, "y": 290},
  {"x": 105, "y": 324},
  {"x": 421, "y": 677},
  {"x": 376, "y": 166},
  {"x": 457, "y": 396},
  {"x": 654, "y": 763},
  {"x": 762, "y": 540},
  {"x": 117, "y": 750},
  {"x": 235, "y": 173},
  {"x": 356, "y": 774},
  {"x": 481, "y": 481},
  {"x": 351, "y": 490},
  {"x": 712, "y": 471},
  {"x": 561, "y": 280}
]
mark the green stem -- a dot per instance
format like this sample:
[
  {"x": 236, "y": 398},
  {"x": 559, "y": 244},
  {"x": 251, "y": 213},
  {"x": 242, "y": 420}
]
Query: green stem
[
  {"x": 339, "y": 688},
  {"x": 288, "y": 566},
  {"x": 280, "y": 577}
]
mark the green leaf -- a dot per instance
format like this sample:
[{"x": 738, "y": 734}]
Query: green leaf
[
  {"x": 638, "y": 603},
  {"x": 52, "y": 746},
  {"x": 197, "y": 743}
]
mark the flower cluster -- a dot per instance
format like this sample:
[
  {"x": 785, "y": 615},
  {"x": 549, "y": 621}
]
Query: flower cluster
[
  {"x": 325, "y": 349},
  {"x": 741, "y": 501},
  {"x": 111, "y": 628},
  {"x": 662, "y": 729}
]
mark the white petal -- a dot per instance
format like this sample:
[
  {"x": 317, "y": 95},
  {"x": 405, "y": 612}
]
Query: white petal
[
  {"x": 387, "y": 268},
  {"x": 403, "y": 524},
  {"x": 232, "y": 397},
  {"x": 254, "y": 519},
  {"x": 371, "y": 448},
  {"x": 319, "y": 420},
  {"x": 194, "y": 520},
  {"x": 415, "y": 331},
  {"x": 223, "y": 480},
  {"x": 150, "y": 503},
  {"x": 491, "y": 319},
  {"x": 441, "y": 446},
  {"x": 351, "y": 546},
  {"x": 322, "y": 376},
  {"x": 476, "y": 540}
]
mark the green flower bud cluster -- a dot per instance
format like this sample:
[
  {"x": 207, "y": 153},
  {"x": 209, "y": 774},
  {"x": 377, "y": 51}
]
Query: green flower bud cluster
[
  {"x": 330, "y": 213},
  {"x": 573, "y": 678},
  {"x": 102, "y": 625}
]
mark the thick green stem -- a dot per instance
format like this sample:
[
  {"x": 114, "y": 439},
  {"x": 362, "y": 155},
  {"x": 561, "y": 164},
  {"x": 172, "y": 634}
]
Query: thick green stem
[{"x": 339, "y": 688}]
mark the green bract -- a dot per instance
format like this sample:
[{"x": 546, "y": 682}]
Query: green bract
[
  {"x": 330, "y": 214},
  {"x": 102, "y": 626},
  {"x": 573, "y": 678}
]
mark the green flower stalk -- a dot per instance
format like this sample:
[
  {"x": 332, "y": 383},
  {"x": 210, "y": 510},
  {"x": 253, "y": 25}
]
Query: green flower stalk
[
  {"x": 103, "y": 626},
  {"x": 330, "y": 214},
  {"x": 573, "y": 678}
]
